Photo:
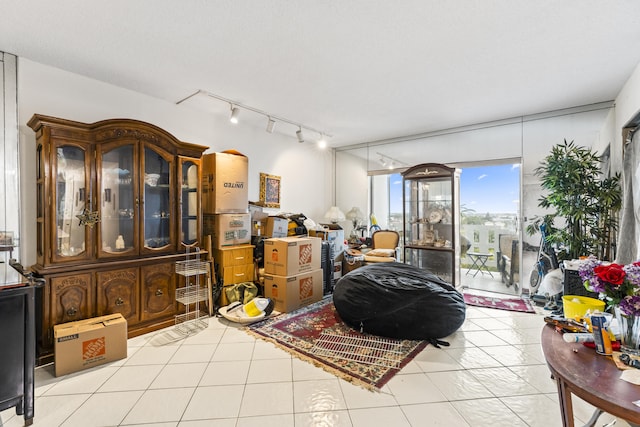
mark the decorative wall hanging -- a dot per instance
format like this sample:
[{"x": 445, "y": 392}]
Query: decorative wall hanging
[{"x": 269, "y": 190}]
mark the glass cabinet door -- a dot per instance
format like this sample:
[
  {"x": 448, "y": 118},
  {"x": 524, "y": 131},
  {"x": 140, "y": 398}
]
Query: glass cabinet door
[
  {"x": 157, "y": 195},
  {"x": 71, "y": 195},
  {"x": 189, "y": 201},
  {"x": 118, "y": 200}
]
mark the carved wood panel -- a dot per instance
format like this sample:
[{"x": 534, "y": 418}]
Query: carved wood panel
[{"x": 117, "y": 292}]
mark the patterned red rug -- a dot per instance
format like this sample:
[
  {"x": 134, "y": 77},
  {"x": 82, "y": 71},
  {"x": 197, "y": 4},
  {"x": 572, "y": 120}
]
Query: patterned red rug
[
  {"x": 511, "y": 304},
  {"x": 317, "y": 335}
]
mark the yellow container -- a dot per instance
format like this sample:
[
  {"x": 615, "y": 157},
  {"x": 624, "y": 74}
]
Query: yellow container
[{"x": 576, "y": 306}]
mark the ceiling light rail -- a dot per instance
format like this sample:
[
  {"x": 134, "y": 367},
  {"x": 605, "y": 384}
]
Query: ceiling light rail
[
  {"x": 271, "y": 119},
  {"x": 389, "y": 162}
]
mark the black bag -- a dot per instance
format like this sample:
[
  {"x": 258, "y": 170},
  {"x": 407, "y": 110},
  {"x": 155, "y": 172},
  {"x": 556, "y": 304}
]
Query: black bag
[{"x": 399, "y": 301}]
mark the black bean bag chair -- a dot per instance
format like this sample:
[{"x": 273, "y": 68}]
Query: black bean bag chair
[{"x": 399, "y": 301}]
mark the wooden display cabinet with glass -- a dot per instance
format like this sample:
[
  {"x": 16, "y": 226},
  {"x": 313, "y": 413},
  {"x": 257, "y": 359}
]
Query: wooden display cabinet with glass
[
  {"x": 118, "y": 202},
  {"x": 430, "y": 216}
]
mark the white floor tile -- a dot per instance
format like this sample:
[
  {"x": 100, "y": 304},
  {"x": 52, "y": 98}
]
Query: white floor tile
[
  {"x": 318, "y": 396},
  {"x": 503, "y": 382},
  {"x": 357, "y": 397},
  {"x": 270, "y": 370},
  {"x": 159, "y": 406},
  {"x": 226, "y": 373},
  {"x": 82, "y": 382},
  {"x": 388, "y": 416},
  {"x": 414, "y": 388},
  {"x": 152, "y": 355},
  {"x": 303, "y": 371},
  {"x": 193, "y": 353},
  {"x": 441, "y": 414},
  {"x": 131, "y": 378},
  {"x": 215, "y": 402},
  {"x": 488, "y": 412},
  {"x": 179, "y": 375},
  {"x": 458, "y": 385},
  {"x": 286, "y": 420},
  {"x": 103, "y": 409},
  {"x": 324, "y": 419},
  {"x": 267, "y": 399},
  {"x": 233, "y": 351}
]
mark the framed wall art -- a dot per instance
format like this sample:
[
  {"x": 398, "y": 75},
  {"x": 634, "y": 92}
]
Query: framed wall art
[{"x": 269, "y": 190}]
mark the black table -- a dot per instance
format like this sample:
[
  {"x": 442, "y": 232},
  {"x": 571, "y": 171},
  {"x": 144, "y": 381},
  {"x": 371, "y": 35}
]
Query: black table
[{"x": 17, "y": 335}]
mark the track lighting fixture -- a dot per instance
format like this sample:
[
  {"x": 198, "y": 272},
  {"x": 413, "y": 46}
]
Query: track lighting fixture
[
  {"x": 389, "y": 162},
  {"x": 271, "y": 123},
  {"x": 234, "y": 114},
  {"x": 322, "y": 143}
]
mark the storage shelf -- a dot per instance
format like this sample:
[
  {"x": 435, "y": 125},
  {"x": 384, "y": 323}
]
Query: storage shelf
[
  {"x": 191, "y": 268},
  {"x": 191, "y": 322},
  {"x": 191, "y": 295}
]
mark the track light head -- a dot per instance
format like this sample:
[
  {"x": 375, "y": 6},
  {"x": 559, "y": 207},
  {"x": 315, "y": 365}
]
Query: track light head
[
  {"x": 234, "y": 115},
  {"x": 383, "y": 162},
  {"x": 322, "y": 142},
  {"x": 300, "y": 136},
  {"x": 271, "y": 124}
]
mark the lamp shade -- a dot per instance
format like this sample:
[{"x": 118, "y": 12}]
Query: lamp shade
[
  {"x": 355, "y": 214},
  {"x": 334, "y": 215}
]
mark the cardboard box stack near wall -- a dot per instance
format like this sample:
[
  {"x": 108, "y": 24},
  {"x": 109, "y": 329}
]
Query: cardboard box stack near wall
[
  {"x": 293, "y": 276},
  {"x": 226, "y": 217},
  {"x": 90, "y": 342}
]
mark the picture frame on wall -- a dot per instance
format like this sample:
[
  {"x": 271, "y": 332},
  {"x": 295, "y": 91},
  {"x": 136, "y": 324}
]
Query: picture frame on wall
[{"x": 269, "y": 190}]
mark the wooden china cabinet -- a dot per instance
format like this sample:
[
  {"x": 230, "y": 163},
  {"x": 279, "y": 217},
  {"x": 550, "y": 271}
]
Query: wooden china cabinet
[{"x": 118, "y": 203}]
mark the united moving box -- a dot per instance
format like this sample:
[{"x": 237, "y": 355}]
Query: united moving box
[
  {"x": 292, "y": 292},
  {"x": 225, "y": 182},
  {"x": 288, "y": 256},
  {"x": 89, "y": 342},
  {"x": 227, "y": 229}
]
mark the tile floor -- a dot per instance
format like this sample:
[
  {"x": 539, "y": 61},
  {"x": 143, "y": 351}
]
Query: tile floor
[{"x": 493, "y": 374}]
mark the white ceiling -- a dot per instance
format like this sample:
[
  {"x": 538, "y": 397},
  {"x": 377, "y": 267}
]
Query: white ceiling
[{"x": 360, "y": 70}]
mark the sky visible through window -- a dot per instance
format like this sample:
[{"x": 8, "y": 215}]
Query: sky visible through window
[{"x": 483, "y": 189}]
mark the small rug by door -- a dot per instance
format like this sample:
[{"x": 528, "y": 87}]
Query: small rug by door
[
  {"x": 511, "y": 304},
  {"x": 316, "y": 334}
]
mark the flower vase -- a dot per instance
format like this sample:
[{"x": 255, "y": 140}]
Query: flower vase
[{"x": 629, "y": 332}]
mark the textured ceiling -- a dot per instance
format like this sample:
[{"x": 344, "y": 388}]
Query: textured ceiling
[{"x": 359, "y": 70}]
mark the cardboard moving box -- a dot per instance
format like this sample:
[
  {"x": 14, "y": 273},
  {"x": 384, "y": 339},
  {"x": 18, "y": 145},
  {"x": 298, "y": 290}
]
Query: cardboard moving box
[
  {"x": 276, "y": 227},
  {"x": 89, "y": 342},
  {"x": 287, "y": 256},
  {"x": 225, "y": 179},
  {"x": 292, "y": 292},
  {"x": 228, "y": 229}
]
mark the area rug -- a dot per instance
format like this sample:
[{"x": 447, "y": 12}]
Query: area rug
[
  {"x": 511, "y": 304},
  {"x": 316, "y": 334}
]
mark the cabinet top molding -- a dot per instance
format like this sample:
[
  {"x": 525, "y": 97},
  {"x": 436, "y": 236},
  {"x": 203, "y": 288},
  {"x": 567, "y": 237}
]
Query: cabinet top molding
[{"x": 106, "y": 130}]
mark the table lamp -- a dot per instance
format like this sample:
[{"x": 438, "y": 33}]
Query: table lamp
[
  {"x": 334, "y": 215},
  {"x": 356, "y": 216}
]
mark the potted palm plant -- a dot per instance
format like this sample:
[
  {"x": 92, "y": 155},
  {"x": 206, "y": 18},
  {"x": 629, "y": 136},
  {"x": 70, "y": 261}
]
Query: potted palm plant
[{"x": 585, "y": 204}]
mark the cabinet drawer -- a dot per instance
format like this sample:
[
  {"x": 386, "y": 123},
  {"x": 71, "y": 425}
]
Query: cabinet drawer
[
  {"x": 233, "y": 256},
  {"x": 237, "y": 274}
]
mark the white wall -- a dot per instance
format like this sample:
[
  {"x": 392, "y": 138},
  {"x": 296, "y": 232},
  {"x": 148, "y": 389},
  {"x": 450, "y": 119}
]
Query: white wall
[{"x": 306, "y": 172}]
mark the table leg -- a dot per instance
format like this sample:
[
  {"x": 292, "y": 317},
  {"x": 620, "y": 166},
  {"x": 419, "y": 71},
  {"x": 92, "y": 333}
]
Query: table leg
[{"x": 566, "y": 408}]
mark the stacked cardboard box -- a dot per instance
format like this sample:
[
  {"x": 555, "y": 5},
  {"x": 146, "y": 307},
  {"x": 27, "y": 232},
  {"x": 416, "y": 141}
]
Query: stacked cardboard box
[
  {"x": 293, "y": 277},
  {"x": 225, "y": 203},
  {"x": 334, "y": 234}
]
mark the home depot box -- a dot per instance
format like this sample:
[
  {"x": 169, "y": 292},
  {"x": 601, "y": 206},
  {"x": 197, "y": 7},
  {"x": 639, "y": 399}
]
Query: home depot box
[
  {"x": 89, "y": 342},
  {"x": 227, "y": 229},
  {"x": 225, "y": 179},
  {"x": 287, "y": 256},
  {"x": 335, "y": 237},
  {"x": 276, "y": 227},
  {"x": 292, "y": 292}
]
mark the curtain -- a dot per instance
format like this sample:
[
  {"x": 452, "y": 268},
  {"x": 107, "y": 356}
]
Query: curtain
[{"x": 629, "y": 230}]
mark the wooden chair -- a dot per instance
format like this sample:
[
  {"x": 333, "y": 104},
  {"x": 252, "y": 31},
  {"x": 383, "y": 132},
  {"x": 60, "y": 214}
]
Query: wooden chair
[{"x": 384, "y": 247}]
